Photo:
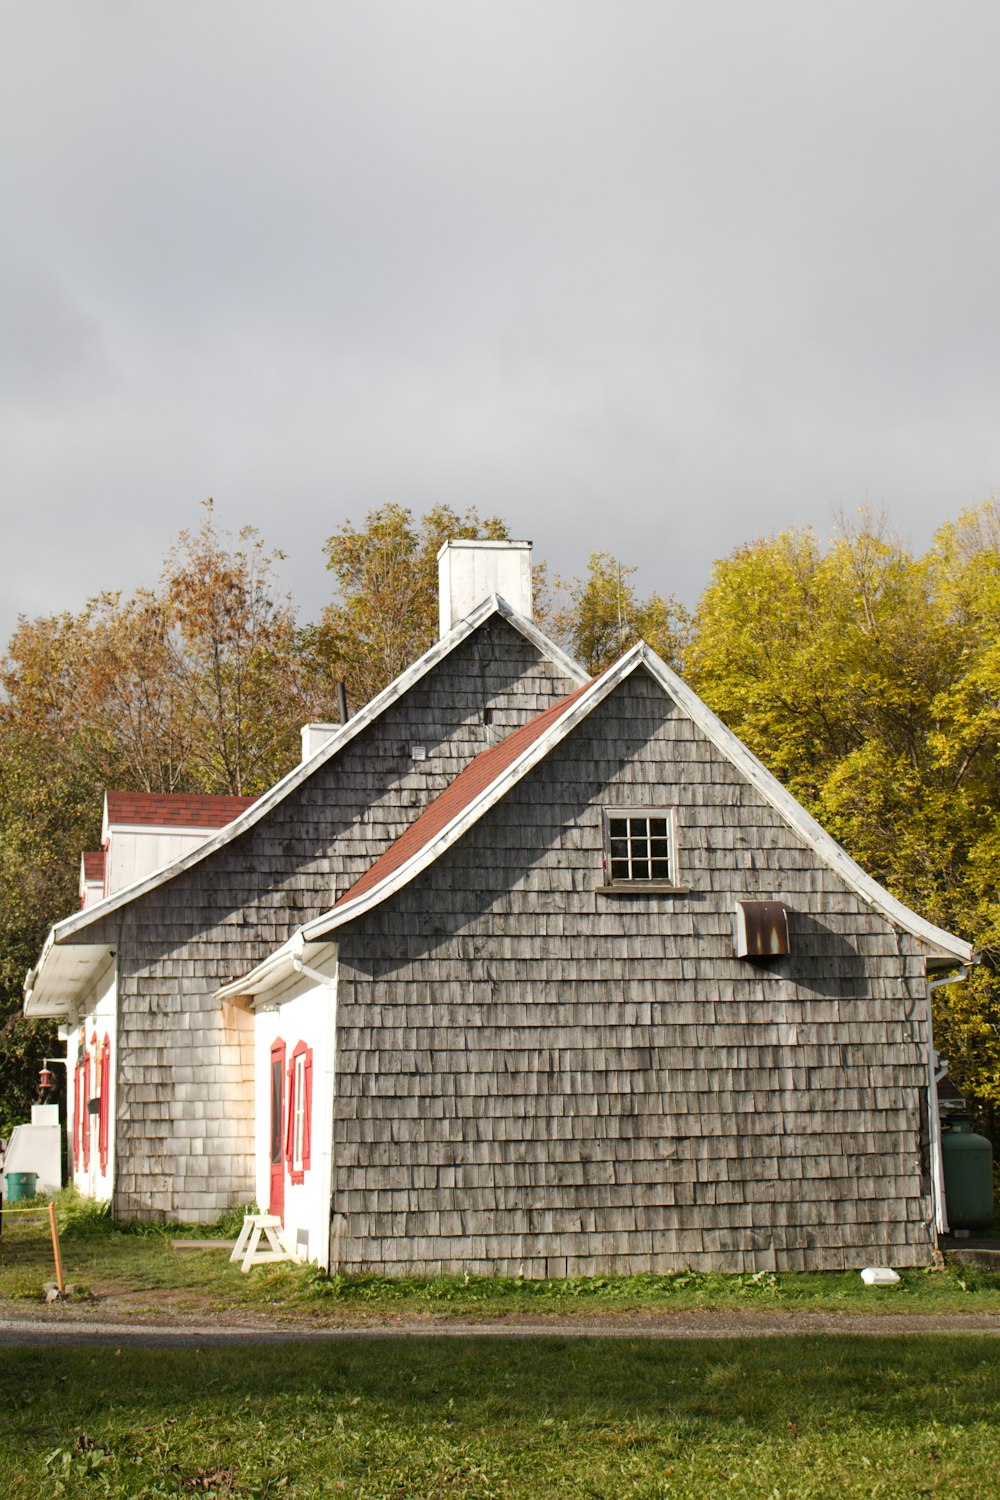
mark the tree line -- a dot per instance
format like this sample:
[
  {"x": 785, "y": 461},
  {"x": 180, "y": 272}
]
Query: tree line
[{"x": 866, "y": 677}]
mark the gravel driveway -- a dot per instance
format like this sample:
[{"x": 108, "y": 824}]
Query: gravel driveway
[{"x": 48, "y": 1326}]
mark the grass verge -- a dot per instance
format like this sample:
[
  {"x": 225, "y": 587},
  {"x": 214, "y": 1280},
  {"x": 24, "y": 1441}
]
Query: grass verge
[
  {"x": 603, "y": 1419},
  {"x": 134, "y": 1271}
]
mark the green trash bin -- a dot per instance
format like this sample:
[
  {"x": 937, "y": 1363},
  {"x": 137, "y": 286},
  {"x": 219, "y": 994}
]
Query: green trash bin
[{"x": 21, "y": 1186}]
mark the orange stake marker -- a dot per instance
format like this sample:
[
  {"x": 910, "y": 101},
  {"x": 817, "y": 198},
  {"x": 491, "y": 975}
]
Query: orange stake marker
[{"x": 57, "y": 1253}]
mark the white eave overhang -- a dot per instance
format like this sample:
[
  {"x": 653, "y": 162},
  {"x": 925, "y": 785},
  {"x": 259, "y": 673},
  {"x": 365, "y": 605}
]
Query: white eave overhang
[
  {"x": 281, "y": 969},
  {"x": 63, "y": 976},
  {"x": 943, "y": 948}
]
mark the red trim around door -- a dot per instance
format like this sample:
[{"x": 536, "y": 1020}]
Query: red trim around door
[
  {"x": 102, "y": 1127},
  {"x": 276, "y": 1086}
]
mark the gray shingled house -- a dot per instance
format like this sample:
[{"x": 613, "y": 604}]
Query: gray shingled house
[
  {"x": 613, "y": 1001},
  {"x": 518, "y": 970}
]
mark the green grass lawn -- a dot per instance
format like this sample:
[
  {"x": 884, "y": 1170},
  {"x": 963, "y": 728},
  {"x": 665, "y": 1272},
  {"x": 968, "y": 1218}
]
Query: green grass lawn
[
  {"x": 137, "y": 1273},
  {"x": 619, "y": 1420}
]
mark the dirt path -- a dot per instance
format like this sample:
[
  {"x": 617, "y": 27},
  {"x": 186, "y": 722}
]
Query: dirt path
[{"x": 63, "y": 1325}]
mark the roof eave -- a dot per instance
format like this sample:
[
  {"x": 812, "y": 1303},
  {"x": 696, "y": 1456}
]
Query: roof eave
[
  {"x": 64, "y": 973},
  {"x": 940, "y": 944},
  {"x": 365, "y": 716},
  {"x": 802, "y": 822},
  {"x": 279, "y": 968}
]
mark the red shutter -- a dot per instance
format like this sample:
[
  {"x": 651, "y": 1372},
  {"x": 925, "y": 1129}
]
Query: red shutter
[
  {"x": 307, "y": 1115},
  {"x": 290, "y": 1127},
  {"x": 76, "y": 1116},
  {"x": 102, "y": 1130},
  {"x": 86, "y": 1110}
]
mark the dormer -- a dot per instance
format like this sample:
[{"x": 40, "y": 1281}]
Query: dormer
[{"x": 143, "y": 831}]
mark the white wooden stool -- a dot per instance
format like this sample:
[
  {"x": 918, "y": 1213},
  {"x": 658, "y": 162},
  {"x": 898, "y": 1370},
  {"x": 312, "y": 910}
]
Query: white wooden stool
[{"x": 248, "y": 1245}]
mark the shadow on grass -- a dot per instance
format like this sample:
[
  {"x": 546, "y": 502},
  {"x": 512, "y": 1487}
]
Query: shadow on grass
[{"x": 607, "y": 1418}]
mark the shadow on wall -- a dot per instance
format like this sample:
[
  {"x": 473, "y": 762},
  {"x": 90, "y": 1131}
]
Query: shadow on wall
[{"x": 823, "y": 961}]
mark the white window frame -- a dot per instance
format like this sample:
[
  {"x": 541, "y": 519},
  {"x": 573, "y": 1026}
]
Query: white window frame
[
  {"x": 298, "y": 1112},
  {"x": 640, "y": 883}
]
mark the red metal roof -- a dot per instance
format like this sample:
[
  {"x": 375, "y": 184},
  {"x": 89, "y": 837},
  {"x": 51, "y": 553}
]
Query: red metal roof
[
  {"x": 174, "y": 809},
  {"x": 477, "y": 776},
  {"x": 93, "y": 865}
]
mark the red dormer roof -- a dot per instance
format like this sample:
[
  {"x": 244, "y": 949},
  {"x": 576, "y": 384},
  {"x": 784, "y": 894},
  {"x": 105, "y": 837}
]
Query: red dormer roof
[
  {"x": 93, "y": 865},
  {"x": 174, "y": 809},
  {"x": 477, "y": 776}
]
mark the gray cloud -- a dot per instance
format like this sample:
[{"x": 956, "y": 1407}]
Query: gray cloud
[{"x": 653, "y": 278}]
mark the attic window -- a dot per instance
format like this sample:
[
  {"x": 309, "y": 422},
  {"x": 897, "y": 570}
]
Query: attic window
[{"x": 640, "y": 848}]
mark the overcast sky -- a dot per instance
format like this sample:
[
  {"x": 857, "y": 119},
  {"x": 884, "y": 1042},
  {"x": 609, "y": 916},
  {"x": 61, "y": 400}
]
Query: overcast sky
[{"x": 654, "y": 278}]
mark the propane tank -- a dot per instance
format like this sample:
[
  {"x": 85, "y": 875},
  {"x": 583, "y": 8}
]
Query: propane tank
[{"x": 967, "y": 1159}]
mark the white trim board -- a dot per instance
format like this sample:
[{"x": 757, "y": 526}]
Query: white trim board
[{"x": 724, "y": 740}]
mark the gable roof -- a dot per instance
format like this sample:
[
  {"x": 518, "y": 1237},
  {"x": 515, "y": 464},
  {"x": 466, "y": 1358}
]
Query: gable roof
[
  {"x": 72, "y": 930},
  {"x": 326, "y": 752},
  {"x": 481, "y": 785},
  {"x": 470, "y": 783},
  {"x": 172, "y": 810}
]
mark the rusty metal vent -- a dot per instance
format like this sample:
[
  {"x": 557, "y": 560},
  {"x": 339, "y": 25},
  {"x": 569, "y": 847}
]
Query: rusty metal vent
[{"x": 761, "y": 930}]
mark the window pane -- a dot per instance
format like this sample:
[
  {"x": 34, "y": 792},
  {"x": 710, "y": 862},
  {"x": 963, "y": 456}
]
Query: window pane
[
  {"x": 276, "y": 1113},
  {"x": 638, "y": 847}
]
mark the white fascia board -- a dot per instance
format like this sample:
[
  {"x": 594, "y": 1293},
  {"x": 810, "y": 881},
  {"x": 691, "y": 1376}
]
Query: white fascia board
[
  {"x": 793, "y": 813},
  {"x": 801, "y": 822},
  {"x": 536, "y": 636},
  {"x": 65, "y": 929},
  {"x": 168, "y": 830},
  {"x": 281, "y": 967}
]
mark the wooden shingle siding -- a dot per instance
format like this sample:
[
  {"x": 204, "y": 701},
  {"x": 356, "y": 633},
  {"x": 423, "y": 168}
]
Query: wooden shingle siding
[
  {"x": 185, "y": 1134},
  {"x": 532, "y": 1074}
]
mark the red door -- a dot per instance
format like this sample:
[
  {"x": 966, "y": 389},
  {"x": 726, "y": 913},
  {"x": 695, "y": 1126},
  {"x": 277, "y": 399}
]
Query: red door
[{"x": 277, "y": 1204}]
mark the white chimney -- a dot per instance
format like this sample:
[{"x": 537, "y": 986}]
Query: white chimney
[
  {"x": 316, "y": 735},
  {"x": 470, "y": 571}
]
